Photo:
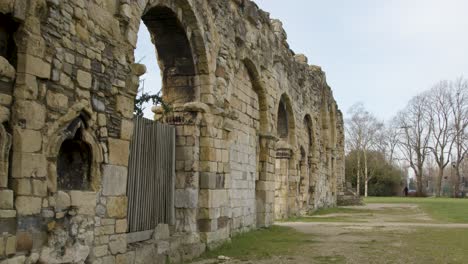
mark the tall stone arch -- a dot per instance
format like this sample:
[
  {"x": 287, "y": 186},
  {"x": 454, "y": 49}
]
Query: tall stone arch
[
  {"x": 285, "y": 164},
  {"x": 187, "y": 88},
  {"x": 264, "y": 191}
]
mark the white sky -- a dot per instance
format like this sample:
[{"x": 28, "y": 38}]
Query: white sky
[{"x": 379, "y": 52}]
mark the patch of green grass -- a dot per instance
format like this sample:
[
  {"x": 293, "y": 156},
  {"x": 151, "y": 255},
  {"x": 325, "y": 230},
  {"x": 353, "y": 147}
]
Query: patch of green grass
[
  {"x": 442, "y": 209},
  {"x": 437, "y": 245},
  {"x": 264, "y": 243}
]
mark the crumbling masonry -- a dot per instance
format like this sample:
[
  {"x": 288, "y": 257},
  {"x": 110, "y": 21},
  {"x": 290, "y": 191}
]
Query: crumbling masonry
[{"x": 259, "y": 135}]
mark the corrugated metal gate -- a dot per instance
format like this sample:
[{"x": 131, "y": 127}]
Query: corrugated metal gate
[{"x": 151, "y": 175}]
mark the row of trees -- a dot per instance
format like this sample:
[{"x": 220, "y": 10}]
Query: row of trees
[{"x": 433, "y": 126}]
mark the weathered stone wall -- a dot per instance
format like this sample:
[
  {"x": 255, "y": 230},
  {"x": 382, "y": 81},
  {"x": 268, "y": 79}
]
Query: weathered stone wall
[{"x": 68, "y": 80}]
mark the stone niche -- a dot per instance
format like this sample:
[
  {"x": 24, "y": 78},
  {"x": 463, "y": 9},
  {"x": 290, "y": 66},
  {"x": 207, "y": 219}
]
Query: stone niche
[
  {"x": 73, "y": 163},
  {"x": 7, "y": 44},
  {"x": 75, "y": 157}
]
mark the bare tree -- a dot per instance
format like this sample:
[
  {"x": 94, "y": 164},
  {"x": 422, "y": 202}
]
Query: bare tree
[
  {"x": 414, "y": 140},
  {"x": 387, "y": 140},
  {"x": 371, "y": 130},
  {"x": 354, "y": 137},
  {"x": 440, "y": 122},
  {"x": 459, "y": 108},
  {"x": 362, "y": 130}
]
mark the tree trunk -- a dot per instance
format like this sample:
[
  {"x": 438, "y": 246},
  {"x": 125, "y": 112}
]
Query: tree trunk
[
  {"x": 419, "y": 183},
  {"x": 366, "y": 179},
  {"x": 440, "y": 175},
  {"x": 456, "y": 189},
  {"x": 358, "y": 183}
]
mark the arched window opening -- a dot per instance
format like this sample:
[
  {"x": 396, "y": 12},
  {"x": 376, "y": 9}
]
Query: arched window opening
[
  {"x": 7, "y": 42},
  {"x": 74, "y": 160},
  {"x": 310, "y": 136},
  {"x": 174, "y": 54},
  {"x": 282, "y": 124}
]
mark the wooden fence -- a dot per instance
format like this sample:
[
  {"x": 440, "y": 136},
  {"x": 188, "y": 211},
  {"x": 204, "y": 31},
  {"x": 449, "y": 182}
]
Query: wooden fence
[{"x": 151, "y": 176}]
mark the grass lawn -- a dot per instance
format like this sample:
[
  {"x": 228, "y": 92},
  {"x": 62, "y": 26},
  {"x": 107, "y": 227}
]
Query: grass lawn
[
  {"x": 437, "y": 246},
  {"x": 359, "y": 242},
  {"x": 442, "y": 209},
  {"x": 263, "y": 243}
]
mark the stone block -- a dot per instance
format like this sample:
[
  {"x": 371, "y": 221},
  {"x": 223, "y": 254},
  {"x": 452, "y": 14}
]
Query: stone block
[
  {"x": 32, "y": 113},
  {"x": 2, "y": 247},
  {"x": 22, "y": 186},
  {"x": 126, "y": 129},
  {"x": 100, "y": 251},
  {"x": 15, "y": 260},
  {"x": 104, "y": 230},
  {"x": 161, "y": 232},
  {"x": 108, "y": 260},
  {"x": 39, "y": 188},
  {"x": 4, "y": 114},
  {"x": 27, "y": 205},
  {"x": 10, "y": 245},
  {"x": 27, "y": 140},
  {"x": 57, "y": 100},
  {"x": 62, "y": 201},
  {"x": 5, "y": 99},
  {"x": 114, "y": 180},
  {"x": 125, "y": 106},
  {"x": 124, "y": 258},
  {"x": 33, "y": 65},
  {"x": 213, "y": 198},
  {"x": 117, "y": 207},
  {"x": 84, "y": 201},
  {"x": 6, "y": 199},
  {"x": 24, "y": 241},
  {"x": 145, "y": 254},
  {"x": 163, "y": 247},
  {"x": 121, "y": 226},
  {"x": 118, "y": 152},
  {"x": 84, "y": 79},
  {"x": 186, "y": 198},
  {"x": 118, "y": 244},
  {"x": 7, "y": 213},
  {"x": 210, "y": 180},
  {"x": 207, "y": 225},
  {"x": 6, "y": 69},
  {"x": 26, "y": 165}
]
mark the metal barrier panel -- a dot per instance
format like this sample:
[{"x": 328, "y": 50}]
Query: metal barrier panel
[{"x": 151, "y": 175}]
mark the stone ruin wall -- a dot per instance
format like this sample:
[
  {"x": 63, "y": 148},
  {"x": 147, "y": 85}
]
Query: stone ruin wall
[{"x": 68, "y": 79}]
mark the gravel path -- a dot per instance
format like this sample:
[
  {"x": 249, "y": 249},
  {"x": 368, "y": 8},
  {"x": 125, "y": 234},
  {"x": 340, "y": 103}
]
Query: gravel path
[{"x": 353, "y": 238}]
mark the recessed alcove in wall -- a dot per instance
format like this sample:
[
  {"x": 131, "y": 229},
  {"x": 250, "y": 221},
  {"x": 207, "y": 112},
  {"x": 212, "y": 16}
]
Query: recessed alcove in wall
[
  {"x": 285, "y": 123},
  {"x": 7, "y": 43},
  {"x": 73, "y": 164},
  {"x": 74, "y": 155},
  {"x": 282, "y": 128}
]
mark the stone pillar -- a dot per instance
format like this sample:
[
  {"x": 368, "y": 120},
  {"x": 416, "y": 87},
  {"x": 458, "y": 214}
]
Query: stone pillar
[
  {"x": 303, "y": 195},
  {"x": 187, "y": 169},
  {"x": 283, "y": 156},
  {"x": 214, "y": 212},
  {"x": 265, "y": 186},
  {"x": 313, "y": 178}
]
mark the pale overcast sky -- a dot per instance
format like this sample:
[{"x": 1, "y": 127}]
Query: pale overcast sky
[{"x": 379, "y": 52}]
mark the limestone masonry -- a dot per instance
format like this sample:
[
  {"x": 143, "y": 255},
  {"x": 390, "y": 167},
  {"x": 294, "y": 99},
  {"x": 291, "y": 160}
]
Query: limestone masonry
[{"x": 259, "y": 135}]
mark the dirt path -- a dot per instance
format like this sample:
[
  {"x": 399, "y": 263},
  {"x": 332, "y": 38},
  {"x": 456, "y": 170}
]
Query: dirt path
[{"x": 374, "y": 233}]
